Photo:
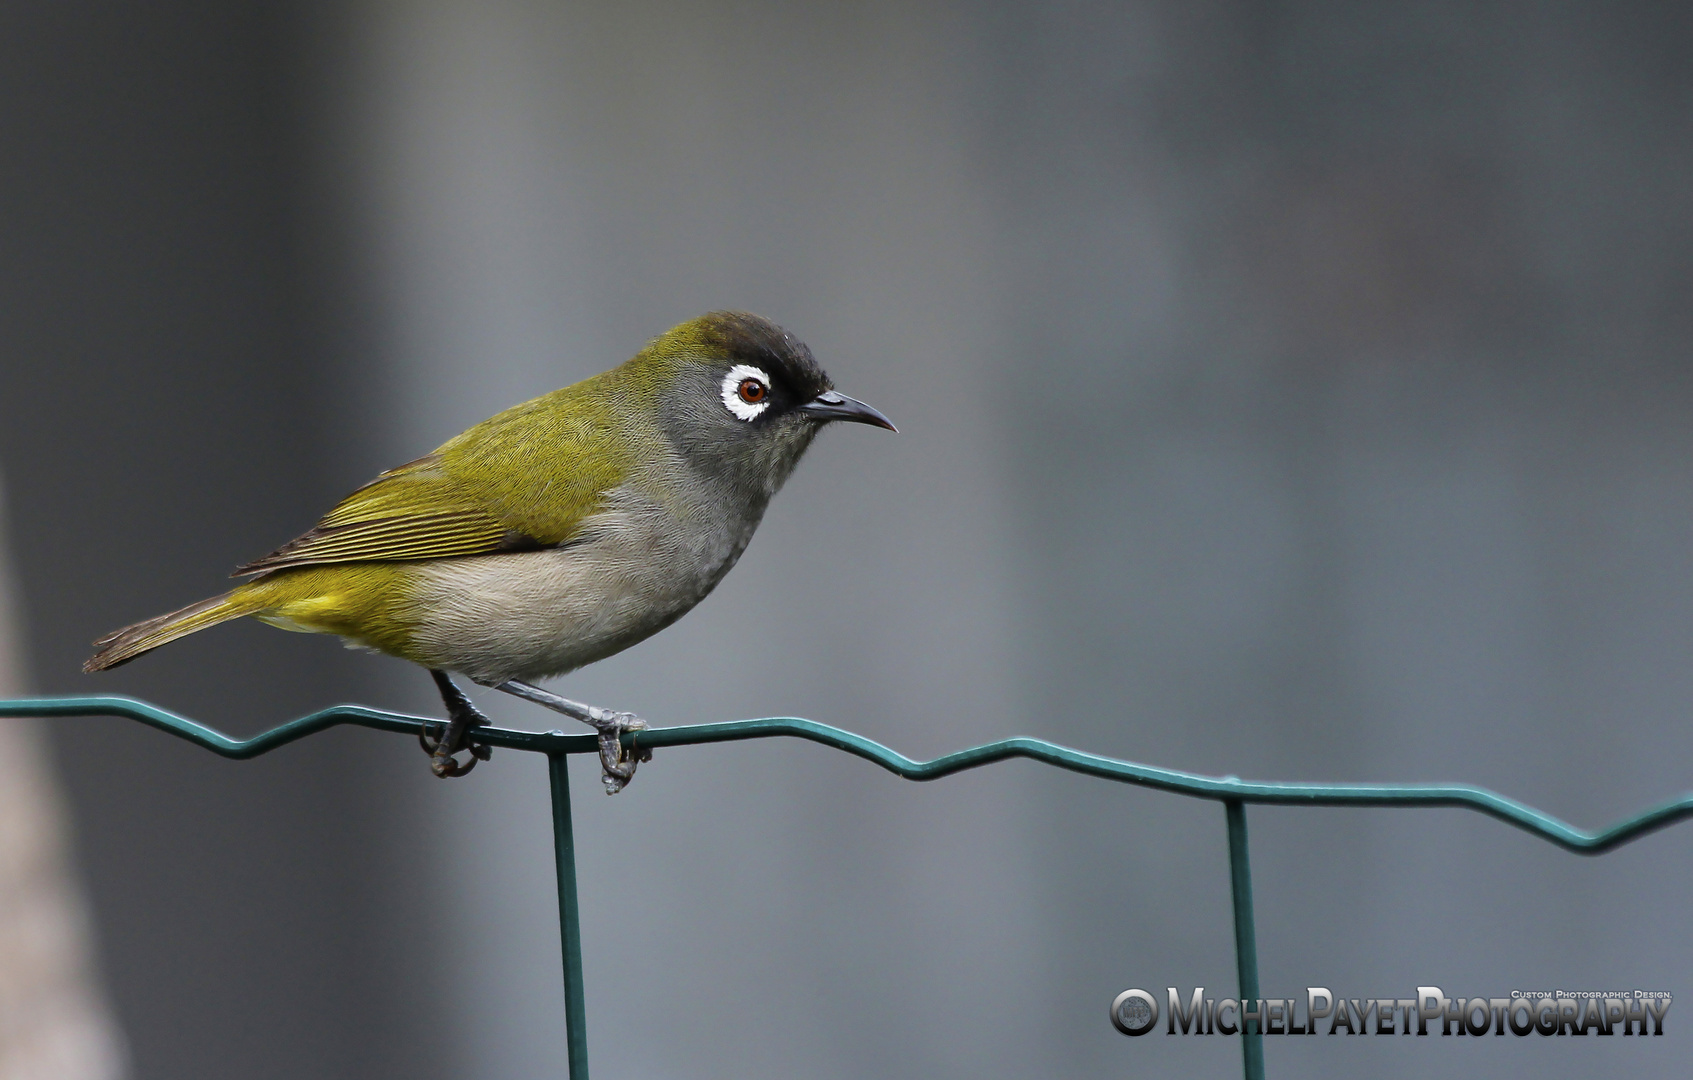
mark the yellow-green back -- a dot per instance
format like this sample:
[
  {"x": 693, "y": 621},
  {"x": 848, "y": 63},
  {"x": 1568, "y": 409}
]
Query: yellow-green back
[{"x": 527, "y": 477}]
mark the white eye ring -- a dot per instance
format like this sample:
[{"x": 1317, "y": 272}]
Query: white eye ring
[{"x": 732, "y": 399}]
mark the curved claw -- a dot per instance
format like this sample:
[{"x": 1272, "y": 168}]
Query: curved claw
[
  {"x": 447, "y": 767},
  {"x": 426, "y": 739}
]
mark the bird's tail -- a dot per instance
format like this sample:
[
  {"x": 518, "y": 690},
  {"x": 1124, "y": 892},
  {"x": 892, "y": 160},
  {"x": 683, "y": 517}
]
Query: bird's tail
[{"x": 122, "y": 646}]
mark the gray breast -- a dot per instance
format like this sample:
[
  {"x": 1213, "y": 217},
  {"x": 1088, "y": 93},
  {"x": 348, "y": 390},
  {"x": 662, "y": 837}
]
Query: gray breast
[{"x": 637, "y": 567}]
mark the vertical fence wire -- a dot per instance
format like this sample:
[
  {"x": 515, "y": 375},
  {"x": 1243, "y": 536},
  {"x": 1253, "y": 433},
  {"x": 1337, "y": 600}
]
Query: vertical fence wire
[
  {"x": 1245, "y": 940},
  {"x": 569, "y": 919}
]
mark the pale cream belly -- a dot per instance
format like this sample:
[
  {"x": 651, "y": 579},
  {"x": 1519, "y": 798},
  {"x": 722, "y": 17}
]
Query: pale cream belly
[{"x": 534, "y": 614}]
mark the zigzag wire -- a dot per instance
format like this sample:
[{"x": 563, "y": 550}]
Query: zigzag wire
[{"x": 1227, "y": 788}]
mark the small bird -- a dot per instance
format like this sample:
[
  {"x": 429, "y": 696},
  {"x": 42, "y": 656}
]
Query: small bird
[{"x": 551, "y": 535}]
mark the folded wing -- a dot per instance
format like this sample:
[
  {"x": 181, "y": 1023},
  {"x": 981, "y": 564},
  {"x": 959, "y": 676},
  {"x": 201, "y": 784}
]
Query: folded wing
[{"x": 410, "y": 513}]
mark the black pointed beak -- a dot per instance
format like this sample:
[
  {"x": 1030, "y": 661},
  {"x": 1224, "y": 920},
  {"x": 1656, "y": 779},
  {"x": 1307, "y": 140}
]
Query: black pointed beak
[{"x": 830, "y": 405}]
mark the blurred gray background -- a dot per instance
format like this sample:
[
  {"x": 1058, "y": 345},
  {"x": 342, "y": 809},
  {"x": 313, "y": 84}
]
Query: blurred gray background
[{"x": 1298, "y": 391}]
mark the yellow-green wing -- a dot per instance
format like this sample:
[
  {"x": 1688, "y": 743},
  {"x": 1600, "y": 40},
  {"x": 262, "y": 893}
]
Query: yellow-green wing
[
  {"x": 522, "y": 480},
  {"x": 543, "y": 466},
  {"x": 410, "y": 513}
]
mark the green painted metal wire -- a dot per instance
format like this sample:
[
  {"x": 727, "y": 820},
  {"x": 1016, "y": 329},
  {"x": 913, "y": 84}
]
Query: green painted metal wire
[
  {"x": 569, "y": 921},
  {"x": 1282, "y": 793},
  {"x": 1245, "y": 939},
  {"x": 1232, "y": 792}
]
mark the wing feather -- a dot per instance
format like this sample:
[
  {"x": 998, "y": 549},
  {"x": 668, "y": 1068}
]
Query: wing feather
[
  {"x": 522, "y": 480},
  {"x": 410, "y": 513}
]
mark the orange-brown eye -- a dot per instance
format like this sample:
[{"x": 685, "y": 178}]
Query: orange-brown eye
[{"x": 746, "y": 391}]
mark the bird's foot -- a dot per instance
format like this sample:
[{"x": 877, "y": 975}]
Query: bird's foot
[
  {"x": 617, "y": 765},
  {"x": 443, "y": 750},
  {"x": 617, "y": 768},
  {"x": 462, "y": 719}
]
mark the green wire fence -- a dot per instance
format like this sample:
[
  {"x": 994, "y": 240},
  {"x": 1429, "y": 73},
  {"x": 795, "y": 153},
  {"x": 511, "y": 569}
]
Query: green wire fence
[{"x": 1232, "y": 792}]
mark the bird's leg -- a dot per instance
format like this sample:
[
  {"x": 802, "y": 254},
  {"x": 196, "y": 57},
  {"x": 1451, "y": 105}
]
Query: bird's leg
[
  {"x": 462, "y": 717},
  {"x": 616, "y": 767}
]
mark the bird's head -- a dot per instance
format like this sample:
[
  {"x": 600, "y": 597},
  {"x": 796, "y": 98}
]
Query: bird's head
[{"x": 739, "y": 396}]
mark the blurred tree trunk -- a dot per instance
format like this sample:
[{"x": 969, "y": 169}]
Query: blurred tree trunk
[{"x": 54, "y": 1022}]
